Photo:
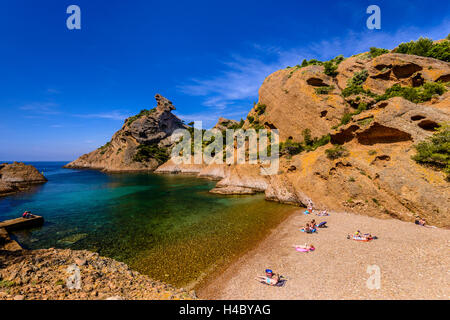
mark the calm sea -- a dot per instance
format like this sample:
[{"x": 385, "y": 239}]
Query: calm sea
[{"x": 166, "y": 226}]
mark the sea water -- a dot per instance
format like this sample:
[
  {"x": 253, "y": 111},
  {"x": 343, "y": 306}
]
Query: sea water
[{"x": 166, "y": 226}]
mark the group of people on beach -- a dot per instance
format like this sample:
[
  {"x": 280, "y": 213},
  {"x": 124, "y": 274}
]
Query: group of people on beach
[{"x": 273, "y": 279}]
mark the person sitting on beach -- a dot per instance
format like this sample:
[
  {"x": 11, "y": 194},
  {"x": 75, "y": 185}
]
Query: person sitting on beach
[
  {"x": 27, "y": 215},
  {"x": 270, "y": 278},
  {"x": 313, "y": 223},
  {"x": 307, "y": 228}
]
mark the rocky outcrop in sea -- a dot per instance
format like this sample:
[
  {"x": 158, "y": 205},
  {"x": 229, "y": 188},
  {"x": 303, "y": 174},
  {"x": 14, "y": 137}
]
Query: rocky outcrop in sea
[{"x": 17, "y": 176}]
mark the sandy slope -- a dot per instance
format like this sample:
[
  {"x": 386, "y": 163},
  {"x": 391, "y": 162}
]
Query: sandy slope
[{"x": 414, "y": 262}]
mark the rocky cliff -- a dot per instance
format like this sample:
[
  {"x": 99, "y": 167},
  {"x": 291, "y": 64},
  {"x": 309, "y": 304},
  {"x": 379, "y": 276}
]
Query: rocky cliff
[
  {"x": 362, "y": 120},
  {"x": 140, "y": 145},
  {"x": 348, "y": 130},
  {"x": 18, "y": 176}
]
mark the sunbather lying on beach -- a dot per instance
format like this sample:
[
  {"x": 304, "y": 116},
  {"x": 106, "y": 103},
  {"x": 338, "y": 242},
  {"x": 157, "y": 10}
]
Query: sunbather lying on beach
[
  {"x": 270, "y": 278},
  {"x": 359, "y": 236},
  {"x": 422, "y": 222},
  {"x": 304, "y": 247},
  {"x": 322, "y": 213},
  {"x": 309, "y": 228}
]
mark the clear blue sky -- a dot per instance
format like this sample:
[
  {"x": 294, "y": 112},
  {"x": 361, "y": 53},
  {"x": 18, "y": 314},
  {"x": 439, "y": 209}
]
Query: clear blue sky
[{"x": 64, "y": 93}]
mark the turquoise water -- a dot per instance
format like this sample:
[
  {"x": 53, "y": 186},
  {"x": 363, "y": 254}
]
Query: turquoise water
[{"x": 166, "y": 226}]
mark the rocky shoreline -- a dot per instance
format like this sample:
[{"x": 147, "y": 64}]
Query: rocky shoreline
[{"x": 43, "y": 275}]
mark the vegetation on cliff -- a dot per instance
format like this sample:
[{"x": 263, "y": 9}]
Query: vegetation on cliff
[
  {"x": 336, "y": 152},
  {"x": 414, "y": 94},
  {"x": 425, "y": 47},
  {"x": 146, "y": 152},
  {"x": 435, "y": 151},
  {"x": 354, "y": 85},
  {"x": 375, "y": 52},
  {"x": 291, "y": 148}
]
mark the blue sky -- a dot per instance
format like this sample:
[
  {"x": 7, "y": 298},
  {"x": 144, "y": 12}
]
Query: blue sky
[{"x": 65, "y": 92}]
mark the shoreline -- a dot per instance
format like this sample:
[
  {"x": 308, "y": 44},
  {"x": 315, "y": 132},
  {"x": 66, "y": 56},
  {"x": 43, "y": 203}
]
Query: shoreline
[
  {"x": 206, "y": 280},
  {"x": 338, "y": 267}
]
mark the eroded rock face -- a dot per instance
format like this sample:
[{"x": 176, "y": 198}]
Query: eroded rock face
[
  {"x": 394, "y": 120},
  {"x": 154, "y": 128},
  {"x": 378, "y": 177},
  {"x": 292, "y": 103},
  {"x": 392, "y": 68},
  {"x": 18, "y": 176}
]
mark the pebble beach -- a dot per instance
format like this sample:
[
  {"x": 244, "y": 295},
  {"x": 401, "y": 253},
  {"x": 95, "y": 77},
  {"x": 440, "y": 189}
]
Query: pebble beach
[{"x": 414, "y": 262}]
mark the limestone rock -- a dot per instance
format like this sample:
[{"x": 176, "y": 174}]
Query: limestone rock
[
  {"x": 151, "y": 127},
  {"x": 18, "y": 176}
]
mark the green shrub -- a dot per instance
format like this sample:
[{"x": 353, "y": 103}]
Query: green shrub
[
  {"x": 440, "y": 51},
  {"x": 435, "y": 151},
  {"x": 6, "y": 284},
  {"x": 311, "y": 62},
  {"x": 260, "y": 108},
  {"x": 348, "y": 115},
  {"x": 426, "y": 48},
  {"x": 414, "y": 94},
  {"x": 354, "y": 85},
  {"x": 359, "y": 78},
  {"x": 318, "y": 142},
  {"x": 330, "y": 69},
  {"x": 346, "y": 118},
  {"x": 337, "y": 60},
  {"x": 238, "y": 125},
  {"x": 104, "y": 148},
  {"x": 355, "y": 90},
  {"x": 324, "y": 90},
  {"x": 146, "y": 152},
  {"x": 250, "y": 119},
  {"x": 448, "y": 37},
  {"x": 336, "y": 152},
  {"x": 375, "y": 52},
  {"x": 289, "y": 147},
  {"x": 307, "y": 138}
]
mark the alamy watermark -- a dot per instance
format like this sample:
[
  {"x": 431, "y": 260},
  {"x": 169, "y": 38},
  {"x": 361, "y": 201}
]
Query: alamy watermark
[
  {"x": 73, "y": 22},
  {"x": 374, "y": 280},
  {"x": 74, "y": 279},
  {"x": 374, "y": 20},
  {"x": 238, "y": 146}
]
